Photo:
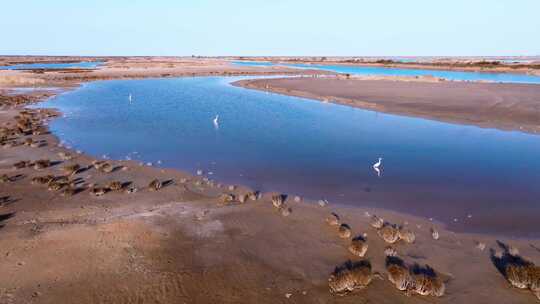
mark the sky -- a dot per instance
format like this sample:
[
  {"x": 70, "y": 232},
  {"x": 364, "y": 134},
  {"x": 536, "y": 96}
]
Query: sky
[{"x": 273, "y": 27}]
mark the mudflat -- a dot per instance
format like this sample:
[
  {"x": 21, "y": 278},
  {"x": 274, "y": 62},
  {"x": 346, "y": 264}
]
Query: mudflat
[{"x": 492, "y": 105}]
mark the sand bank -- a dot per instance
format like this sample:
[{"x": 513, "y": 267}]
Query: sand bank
[{"x": 504, "y": 106}]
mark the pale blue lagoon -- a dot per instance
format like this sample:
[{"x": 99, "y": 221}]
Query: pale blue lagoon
[
  {"x": 72, "y": 65},
  {"x": 473, "y": 179}
]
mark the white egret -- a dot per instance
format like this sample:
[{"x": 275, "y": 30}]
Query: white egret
[
  {"x": 377, "y": 165},
  {"x": 216, "y": 121}
]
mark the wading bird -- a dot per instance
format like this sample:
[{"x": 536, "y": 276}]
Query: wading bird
[
  {"x": 216, "y": 121},
  {"x": 376, "y": 167}
]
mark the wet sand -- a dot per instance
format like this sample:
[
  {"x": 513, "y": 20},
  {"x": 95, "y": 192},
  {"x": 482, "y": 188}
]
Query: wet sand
[
  {"x": 490, "y": 105},
  {"x": 180, "y": 245}
]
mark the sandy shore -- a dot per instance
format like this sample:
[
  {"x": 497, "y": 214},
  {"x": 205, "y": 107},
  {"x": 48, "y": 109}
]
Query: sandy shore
[
  {"x": 504, "y": 106},
  {"x": 181, "y": 245}
]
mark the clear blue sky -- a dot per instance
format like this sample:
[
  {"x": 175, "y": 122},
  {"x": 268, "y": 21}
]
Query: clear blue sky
[{"x": 272, "y": 27}]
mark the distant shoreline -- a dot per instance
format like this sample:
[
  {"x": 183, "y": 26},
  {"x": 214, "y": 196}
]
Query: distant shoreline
[
  {"x": 465, "y": 64},
  {"x": 527, "y": 69}
]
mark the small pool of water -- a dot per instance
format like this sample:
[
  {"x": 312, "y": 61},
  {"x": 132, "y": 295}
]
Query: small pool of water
[
  {"x": 27, "y": 90},
  {"x": 473, "y": 179},
  {"x": 73, "y": 65},
  {"x": 255, "y": 63},
  {"x": 386, "y": 71}
]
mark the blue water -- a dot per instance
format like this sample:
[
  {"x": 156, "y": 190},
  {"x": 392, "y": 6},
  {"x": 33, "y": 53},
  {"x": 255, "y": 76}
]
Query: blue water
[
  {"x": 79, "y": 65},
  {"x": 386, "y": 71},
  {"x": 317, "y": 150},
  {"x": 255, "y": 63}
]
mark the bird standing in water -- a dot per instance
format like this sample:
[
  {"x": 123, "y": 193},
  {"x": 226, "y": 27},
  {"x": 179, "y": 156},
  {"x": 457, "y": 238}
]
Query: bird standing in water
[
  {"x": 216, "y": 121},
  {"x": 377, "y": 165}
]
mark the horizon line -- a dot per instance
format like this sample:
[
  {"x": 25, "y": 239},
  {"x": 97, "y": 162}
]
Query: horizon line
[{"x": 255, "y": 56}]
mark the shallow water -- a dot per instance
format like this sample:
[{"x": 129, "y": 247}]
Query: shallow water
[
  {"x": 474, "y": 179},
  {"x": 384, "y": 71},
  {"x": 26, "y": 90},
  {"x": 78, "y": 65}
]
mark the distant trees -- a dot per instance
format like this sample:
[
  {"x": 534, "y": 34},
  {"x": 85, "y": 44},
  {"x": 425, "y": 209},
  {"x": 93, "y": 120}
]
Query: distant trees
[
  {"x": 385, "y": 61},
  {"x": 488, "y": 63}
]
